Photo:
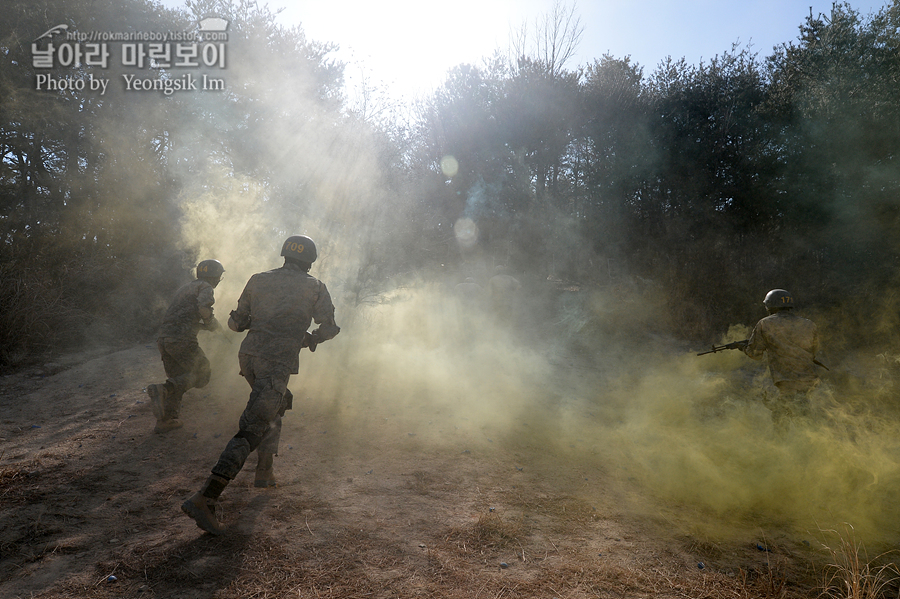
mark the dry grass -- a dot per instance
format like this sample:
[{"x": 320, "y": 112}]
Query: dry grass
[
  {"x": 505, "y": 552},
  {"x": 850, "y": 574},
  {"x": 492, "y": 532},
  {"x": 348, "y": 563}
]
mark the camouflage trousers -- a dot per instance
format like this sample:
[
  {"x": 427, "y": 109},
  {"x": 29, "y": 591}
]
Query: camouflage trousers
[
  {"x": 791, "y": 402},
  {"x": 185, "y": 363},
  {"x": 186, "y": 368},
  {"x": 260, "y": 423}
]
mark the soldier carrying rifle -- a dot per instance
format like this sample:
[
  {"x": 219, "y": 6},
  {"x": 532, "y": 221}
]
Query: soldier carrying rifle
[
  {"x": 789, "y": 343},
  {"x": 276, "y": 308}
]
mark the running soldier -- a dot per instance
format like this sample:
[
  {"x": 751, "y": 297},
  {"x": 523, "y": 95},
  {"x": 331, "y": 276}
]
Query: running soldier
[
  {"x": 276, "y": 307},
  {"x": 790, "y": 343},
  {"x": 185, "y": 363}
]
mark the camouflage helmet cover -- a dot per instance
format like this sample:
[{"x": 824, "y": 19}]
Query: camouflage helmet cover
[{"x": 299, "y": 247}]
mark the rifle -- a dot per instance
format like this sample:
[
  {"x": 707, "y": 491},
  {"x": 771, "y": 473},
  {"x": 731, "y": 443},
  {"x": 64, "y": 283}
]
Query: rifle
[
  {"x": 733, "y": 345},
  {"x": 221, "y": 333},
  {"x": 741, "y": 345},
  {"x": 214, "y": 327}
]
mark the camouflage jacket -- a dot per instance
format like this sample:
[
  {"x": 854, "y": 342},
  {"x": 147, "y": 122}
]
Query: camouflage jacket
[
  {"x": 790, "y": 344},
  {"x": 190, "y": 311},
  {"x": 278, "y": 307}
]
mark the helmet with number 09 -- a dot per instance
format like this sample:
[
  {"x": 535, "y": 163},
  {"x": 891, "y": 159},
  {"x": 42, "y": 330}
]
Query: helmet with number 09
[
  {"x": 777, "y": 299},
  {"x": 299, "y": 247},
  {"x": 210, "y": 269}
]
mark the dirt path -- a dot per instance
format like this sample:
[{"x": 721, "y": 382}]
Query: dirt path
[{"x": 373, "y": 501}]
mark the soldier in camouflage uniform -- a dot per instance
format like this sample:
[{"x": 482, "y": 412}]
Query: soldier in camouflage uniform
[
  {"x": 185, "y": 363},
  {"x": 790, "y": 343},
  {"x": 276, "y": 308}
]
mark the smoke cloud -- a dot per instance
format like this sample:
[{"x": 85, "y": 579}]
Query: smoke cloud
[
  {"x": 575, "y": 381},
  {"x": 582, "y": 377}
]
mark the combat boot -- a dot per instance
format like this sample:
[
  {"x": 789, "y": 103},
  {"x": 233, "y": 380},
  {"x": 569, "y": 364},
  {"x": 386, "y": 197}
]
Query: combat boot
[
  {"x": 172, "y": 403},
  {"x": 157, "y": 395},
  {"x": 265, "y": 471},
  {"x": 170, "y": 424},
  {"x": 201, "y": 506}
]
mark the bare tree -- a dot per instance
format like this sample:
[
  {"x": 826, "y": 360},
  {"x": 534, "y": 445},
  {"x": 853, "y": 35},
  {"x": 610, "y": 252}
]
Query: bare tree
[{"x": 554, "y": 40}]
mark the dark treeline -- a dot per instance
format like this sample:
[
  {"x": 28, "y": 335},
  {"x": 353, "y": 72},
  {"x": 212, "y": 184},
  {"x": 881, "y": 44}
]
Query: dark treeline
[{"x": 712, "y": 182}]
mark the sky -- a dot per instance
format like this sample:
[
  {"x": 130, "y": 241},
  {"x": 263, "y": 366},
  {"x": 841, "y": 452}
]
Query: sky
[{"x": 407, "y": 46}]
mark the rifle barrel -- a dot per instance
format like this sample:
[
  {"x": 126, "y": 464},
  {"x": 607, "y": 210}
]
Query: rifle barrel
[{"x": 712, "y": 351}]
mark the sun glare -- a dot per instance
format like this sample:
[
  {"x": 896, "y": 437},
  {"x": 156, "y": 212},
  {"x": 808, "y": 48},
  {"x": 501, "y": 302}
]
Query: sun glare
[{"x": 409, "y": 45}]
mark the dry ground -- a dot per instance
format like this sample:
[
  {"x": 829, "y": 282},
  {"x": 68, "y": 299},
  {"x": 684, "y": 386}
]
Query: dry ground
[{"x": 373, "y": 501}]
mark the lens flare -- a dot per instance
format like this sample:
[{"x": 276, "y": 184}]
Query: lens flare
[
  {"x": 466, "y": 233},
  {"x": 449, "y": 166}
]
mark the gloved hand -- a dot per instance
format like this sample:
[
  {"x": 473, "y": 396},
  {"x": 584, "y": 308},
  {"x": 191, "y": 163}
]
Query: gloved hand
[
  {"x": 237, "y": 324},
  {"x": 310, "y": 340}
]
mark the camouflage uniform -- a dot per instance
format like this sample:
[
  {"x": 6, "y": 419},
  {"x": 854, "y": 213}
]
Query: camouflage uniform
[
  {"x": 185, "y": 363},
  {"x": 790, "y": 344},
  {"x": 278, "y": 306}
]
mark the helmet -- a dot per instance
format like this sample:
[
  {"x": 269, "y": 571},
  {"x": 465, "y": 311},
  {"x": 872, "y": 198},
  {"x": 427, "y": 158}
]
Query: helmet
[
  {"x": 299, "y": 247},
  {"x": 210, "y": 269},
  {"x": 778, "y": 298}
]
